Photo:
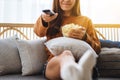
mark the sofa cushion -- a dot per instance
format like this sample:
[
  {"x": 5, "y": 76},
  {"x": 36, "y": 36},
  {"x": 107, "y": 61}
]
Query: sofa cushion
[
  {"x": 32, "y": 55},
  {"x": 78, "y": 47},
  {"x": 19, "y": 77},
  {"x": 109, "y": 62},
  {"x": 9, "y": 56},
  {"x": 107, "y": 50},
  {"x": 110, "y": 43}
]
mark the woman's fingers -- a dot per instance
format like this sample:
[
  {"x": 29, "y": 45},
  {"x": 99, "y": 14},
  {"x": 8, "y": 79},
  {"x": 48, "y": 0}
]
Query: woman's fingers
[{"x": 48, "y": 18}]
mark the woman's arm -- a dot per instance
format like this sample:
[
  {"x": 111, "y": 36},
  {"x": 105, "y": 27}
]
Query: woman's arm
[{"x": 40, "y": 27}]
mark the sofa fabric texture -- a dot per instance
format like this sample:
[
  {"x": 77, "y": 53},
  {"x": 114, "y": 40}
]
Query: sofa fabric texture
[
  {"x": 9, "y": 56},
  {"x": 32, "y": 54},
  {"x": 109, "y": 62},
  {"x": 22, "y": 56},
  {"x": 19, "y": 77}
]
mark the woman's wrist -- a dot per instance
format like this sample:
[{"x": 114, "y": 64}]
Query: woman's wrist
[
  {"x": 85, "y": 36},
  {"x": 45, "y": 24}
]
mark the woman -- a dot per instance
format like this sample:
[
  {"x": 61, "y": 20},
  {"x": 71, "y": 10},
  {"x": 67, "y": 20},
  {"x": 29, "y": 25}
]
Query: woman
[{"x": 66, "y": 11}]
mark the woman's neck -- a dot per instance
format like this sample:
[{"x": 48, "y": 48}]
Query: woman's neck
[{"x": 67, "y": 13}]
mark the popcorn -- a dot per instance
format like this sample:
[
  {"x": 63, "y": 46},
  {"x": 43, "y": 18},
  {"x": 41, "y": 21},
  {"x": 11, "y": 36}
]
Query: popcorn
[{"x": 66, "y": 29}]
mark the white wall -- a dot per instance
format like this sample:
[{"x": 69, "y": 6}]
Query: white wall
[
  {"x": 27, "y": 11},
  {"x": 22, "y": 11},
  {"x": 102, "y": 11}
]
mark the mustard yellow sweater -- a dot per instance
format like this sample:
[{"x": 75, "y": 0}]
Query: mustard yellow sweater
[{"x": 84, "y": 21}]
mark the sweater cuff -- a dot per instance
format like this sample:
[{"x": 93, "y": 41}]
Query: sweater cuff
[
  {"x": 45, "y": 24},
  {"x": 84, "y": 37}
]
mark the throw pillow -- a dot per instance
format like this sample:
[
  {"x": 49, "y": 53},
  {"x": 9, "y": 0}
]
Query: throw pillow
[
  {"x": 32, "y": 55},
  {"x": 110, "y": 43},
  {"x": 107, "y": 50},
  {"x": 78, "y": 47},
  {"x": 9, "y": 56}
]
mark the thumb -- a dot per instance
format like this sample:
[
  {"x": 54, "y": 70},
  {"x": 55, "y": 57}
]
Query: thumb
[{"x": 56, "y": 14}]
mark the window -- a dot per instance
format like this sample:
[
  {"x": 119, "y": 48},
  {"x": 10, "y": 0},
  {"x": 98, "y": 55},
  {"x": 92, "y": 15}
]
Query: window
[
  {"x": 102, "y": 11},
  {"x": 27, "y": 11},
  {"x": 22, "y": 11}
]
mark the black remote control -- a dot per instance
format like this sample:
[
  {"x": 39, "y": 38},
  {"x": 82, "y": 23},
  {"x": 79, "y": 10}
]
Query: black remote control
[{"x": 47, "y": 11}]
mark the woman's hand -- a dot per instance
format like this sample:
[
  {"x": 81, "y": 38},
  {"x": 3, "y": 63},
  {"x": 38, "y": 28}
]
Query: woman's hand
[
  {"x": 48, "y": 18},
  {"x": 77, "y": 33}
]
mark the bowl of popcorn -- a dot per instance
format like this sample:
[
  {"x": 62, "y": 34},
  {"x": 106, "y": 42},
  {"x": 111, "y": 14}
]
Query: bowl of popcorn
[{"x": 73, "y": 30}]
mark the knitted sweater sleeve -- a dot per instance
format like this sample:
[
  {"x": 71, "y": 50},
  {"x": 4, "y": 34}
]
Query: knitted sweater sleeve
[{"x": 39, "y": 28}]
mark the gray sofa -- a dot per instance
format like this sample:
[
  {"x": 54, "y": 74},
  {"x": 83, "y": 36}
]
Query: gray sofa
[
  {"x": 109, "y": 59},
  {"x": 19, "y": 77},
  {"x": 24, "y": 59},
  {"x": 36, "y": 77}
]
